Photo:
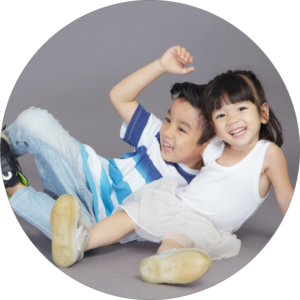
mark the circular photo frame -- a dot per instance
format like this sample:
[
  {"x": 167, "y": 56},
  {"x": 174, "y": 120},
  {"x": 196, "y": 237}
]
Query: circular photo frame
[{"x": 71, "y": 76}]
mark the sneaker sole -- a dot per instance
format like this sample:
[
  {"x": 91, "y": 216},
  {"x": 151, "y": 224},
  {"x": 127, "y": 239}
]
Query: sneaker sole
[
  {"x": 6, "y": 138},
  {"x": 63, "y": 220},
  {"x": 180, "y": 267}
]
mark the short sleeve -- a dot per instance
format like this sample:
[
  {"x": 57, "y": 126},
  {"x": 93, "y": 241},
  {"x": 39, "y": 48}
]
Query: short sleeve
[{"x": 143, "y": 125}]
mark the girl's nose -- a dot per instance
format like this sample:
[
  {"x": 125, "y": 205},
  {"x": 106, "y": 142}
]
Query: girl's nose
[{"x": 232, "y": 119}]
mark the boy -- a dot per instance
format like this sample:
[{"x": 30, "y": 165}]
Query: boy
[{"x": 171, "y": 149}]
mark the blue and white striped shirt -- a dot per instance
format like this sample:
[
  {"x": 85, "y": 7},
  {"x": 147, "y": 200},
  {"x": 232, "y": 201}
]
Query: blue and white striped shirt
[{"x": 112, "y": 180}]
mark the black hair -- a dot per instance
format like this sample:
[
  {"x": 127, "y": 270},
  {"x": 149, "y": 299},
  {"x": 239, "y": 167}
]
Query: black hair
[
  {"x": 237, "y": 86},
  {"x": 193, "y": 94}
]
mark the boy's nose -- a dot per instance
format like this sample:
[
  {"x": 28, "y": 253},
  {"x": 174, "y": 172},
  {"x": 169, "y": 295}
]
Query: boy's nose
[{"x": 168, "y": 132}]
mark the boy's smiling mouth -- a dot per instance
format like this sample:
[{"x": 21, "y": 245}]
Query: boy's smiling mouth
[
  {"x": 239, "y": 132},
  {"x": 167, "y": 147}
]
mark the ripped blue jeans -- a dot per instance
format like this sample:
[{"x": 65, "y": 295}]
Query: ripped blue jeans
[{"x": 59, "y": 164}]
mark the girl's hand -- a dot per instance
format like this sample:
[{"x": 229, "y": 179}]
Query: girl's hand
[{"x": 174, "y": 60}]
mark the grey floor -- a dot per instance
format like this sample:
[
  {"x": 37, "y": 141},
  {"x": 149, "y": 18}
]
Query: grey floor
[{"x": 115, "y": 269}]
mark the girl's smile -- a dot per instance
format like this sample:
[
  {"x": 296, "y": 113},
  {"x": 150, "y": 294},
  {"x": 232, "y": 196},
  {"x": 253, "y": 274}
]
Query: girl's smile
[{"x": 237, "y": 133}]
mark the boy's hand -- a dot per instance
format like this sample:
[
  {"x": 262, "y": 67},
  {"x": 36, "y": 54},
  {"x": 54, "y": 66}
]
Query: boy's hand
[
  {"x": 174, "y": 60},
  {"x": 123, "y": 95}
]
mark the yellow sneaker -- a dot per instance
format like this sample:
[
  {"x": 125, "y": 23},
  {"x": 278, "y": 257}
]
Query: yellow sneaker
[
  {"x": 176, "y": 266},
  {"x": 69, "y": 232}
]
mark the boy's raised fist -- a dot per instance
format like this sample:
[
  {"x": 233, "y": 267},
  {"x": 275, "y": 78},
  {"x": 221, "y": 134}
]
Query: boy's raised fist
[{"x": 174, "y": 60}]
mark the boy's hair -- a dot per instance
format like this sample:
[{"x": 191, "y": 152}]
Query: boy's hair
[
  {"x": 237, "y": 86},
  {"x": 193, "y": 94}
]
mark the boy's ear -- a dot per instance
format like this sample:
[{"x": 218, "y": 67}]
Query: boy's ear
[{"x": 264, "y": 116}]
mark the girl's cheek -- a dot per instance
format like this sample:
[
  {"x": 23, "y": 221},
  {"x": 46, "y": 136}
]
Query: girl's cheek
[{"x": 215, "y": 127}]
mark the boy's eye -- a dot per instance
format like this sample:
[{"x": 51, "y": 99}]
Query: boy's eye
[
  {"x": 180, "y": 129},
  {"x": 167, "y": 120},
  {"x": 242, "y": 108}
]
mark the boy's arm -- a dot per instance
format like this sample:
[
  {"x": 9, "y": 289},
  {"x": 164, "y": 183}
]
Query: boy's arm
[
  {"x": 277, "y": 173},
  {"x": 123, "y": 95}
]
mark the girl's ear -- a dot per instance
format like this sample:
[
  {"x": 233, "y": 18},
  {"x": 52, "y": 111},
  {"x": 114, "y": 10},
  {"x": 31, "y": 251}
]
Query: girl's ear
[{"x": 264, "y": 115}]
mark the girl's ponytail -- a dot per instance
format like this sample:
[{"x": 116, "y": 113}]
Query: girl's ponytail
[{"x": 273, "y": 126}]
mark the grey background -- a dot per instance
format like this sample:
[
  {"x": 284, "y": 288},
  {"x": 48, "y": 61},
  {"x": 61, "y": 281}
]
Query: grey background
[{"x": 71, "y": 76}]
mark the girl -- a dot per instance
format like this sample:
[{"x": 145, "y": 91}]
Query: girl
[{"x": 196, "y": 224}]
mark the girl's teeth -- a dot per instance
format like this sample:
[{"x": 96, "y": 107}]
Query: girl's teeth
[{"x": 236, "y": 132}]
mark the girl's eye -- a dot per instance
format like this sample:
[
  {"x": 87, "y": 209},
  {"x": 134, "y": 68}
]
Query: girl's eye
[
  {"x": 167, "y": 120},
  {"x": 220, "y": 116},
  {"x": 242, "y": 108},
  {"x": 180, "y": 129}
]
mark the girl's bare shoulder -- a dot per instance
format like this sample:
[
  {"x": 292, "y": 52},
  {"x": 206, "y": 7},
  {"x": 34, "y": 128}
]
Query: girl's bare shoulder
[
  {"x": 274, "y": 157},
  {"x": 273, "y": 151}
]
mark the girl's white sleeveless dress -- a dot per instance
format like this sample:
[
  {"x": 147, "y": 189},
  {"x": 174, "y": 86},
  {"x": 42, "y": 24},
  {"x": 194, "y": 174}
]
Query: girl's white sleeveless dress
[{"x": 206, "y": 212}]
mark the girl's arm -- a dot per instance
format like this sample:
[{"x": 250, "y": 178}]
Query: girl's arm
[
  {"x": 277, "y": 173},
  {"x": 123, "y": 95}
]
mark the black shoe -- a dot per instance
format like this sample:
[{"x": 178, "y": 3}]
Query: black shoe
[{"x": 11, "y": 169}]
